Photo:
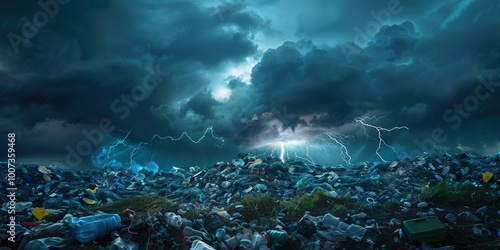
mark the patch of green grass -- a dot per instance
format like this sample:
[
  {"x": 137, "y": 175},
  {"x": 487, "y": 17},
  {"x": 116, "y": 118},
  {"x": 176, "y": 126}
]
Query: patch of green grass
[
  {"x": 344, "y": 198},
  {"x": 391, "y": 206},
  {"x": 339, "y": 210},
  {"x": 260, "y": 205},
  {"x": 195, "y": 213},
  {"x": 138, "y": 203},
  {"x": 450, "y": 193},
  {"x": 319, "y": 203}
]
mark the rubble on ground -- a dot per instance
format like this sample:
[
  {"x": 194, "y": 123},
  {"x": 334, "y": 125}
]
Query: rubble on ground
[{"x": 260, "y": 203}]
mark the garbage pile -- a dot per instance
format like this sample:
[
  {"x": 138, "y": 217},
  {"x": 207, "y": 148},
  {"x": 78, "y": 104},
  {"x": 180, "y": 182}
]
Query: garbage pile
[{"x": 252, "y": 203}]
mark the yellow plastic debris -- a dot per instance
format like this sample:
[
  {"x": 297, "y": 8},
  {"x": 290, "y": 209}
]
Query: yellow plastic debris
[
  {"x": 487, "y": 176},
  {"x": 291, "y": 169},
  {"x": 93, "y": 190},
  {"x": 40, "y": 213},
  {"x": 89, "y": 201},
  {"x": 255, "y": 163},
  {"x": 393, "y": 164}
]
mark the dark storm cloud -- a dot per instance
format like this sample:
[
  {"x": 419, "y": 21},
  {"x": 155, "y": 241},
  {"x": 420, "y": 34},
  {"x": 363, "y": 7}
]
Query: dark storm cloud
[
  {"x": 235, "y": 84},
  {"x": 414, "y": 78},
  {"x": 80, "y": 66},
  {"x": 201, "y": 104},
  {"x": 330, "y": 22},
  {"x": 150, "y": 68}
]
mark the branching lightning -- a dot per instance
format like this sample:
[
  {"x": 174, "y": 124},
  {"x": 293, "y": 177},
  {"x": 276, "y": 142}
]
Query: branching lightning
[
  {"x": 290, "y": 150},
  {"x": 379, "y": 133},
  {"x": 104, "y": 158},
  {"x": 341, "y": 141},
  {"x": 171, "y": 138},
  {"x": 297, "y": 146},
  {"x": 112, "y": 147},
  {"x": 287, "y": 146},
  {"x": 301, "y": 149}
]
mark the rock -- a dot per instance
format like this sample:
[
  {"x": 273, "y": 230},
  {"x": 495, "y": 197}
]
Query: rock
[
  {"x": 438, "y": 178},
  {"x": 482, "y": 210},
  {"x": 257, "y": 242},
  {"x": 422, "y": 214},
  {"x": 480, "y": 231},
  {"x": 200, "y": 245},
  {"x": 469, "y": 217},
  {"x": 188, "y": 231},
  {"x": 432, "y": 167},
  {"x": 225, "y": 184},
  {"x": 359, "y": 216},
  {"x": 359, "y": 189},
  {"x": 332, "y": 194},
  {"x": 450, "y": 218},
  {"x": 465, "y": 171},
  {"x": 422, "y": 204},
  {"x": 355, "y": 232},
  {"x": 332, "y": 235},
  {"x": 445, "y": 170},
  {"x": 260, "y": 188}
]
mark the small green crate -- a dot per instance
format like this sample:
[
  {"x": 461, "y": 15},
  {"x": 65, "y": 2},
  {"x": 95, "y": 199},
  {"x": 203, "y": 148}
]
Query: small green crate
[{"x": 427, "y": 229}]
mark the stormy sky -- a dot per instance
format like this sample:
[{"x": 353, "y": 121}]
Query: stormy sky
[{"x": 88, "y": 83}]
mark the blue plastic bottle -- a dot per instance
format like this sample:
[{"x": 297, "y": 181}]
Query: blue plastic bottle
[{"x": 89, "y": 228}]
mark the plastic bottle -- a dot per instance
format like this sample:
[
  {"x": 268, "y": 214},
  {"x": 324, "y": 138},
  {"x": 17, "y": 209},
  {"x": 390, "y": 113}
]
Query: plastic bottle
[
  {"x": 303, "y": 183},
  {"x": 45, "y": 244},
  {"x": 200, "y": 245},
  {"x": 89, "y": 228},
  {"x": 279, "y": 237}
]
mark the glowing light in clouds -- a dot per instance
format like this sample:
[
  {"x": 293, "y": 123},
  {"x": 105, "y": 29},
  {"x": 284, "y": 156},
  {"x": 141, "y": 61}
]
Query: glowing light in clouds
[
  {"x": 243, "y": 71},
  {"x": 221, "y": 94}
]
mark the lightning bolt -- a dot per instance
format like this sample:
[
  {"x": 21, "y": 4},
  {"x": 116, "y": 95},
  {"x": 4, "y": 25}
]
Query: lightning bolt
[
  {"x": 282, "y": 154},
  {"x": 341, "y": 141},
  {"x": 379, "y": 130},
  {"x": 184, "y": 134},
  {"x": 112, "y": 147},
  {"x": 106, "y": 152},
  {"x": 301, "y": 149},
  {"x": 285, "y": 150},
  {"x": 285, "y": 147}
]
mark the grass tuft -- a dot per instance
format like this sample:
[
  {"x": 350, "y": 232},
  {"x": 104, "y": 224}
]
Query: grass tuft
[{"x": 138, "y": 203}]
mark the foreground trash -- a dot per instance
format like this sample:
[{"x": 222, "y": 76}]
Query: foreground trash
[{"x": 427, "y": 202}]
